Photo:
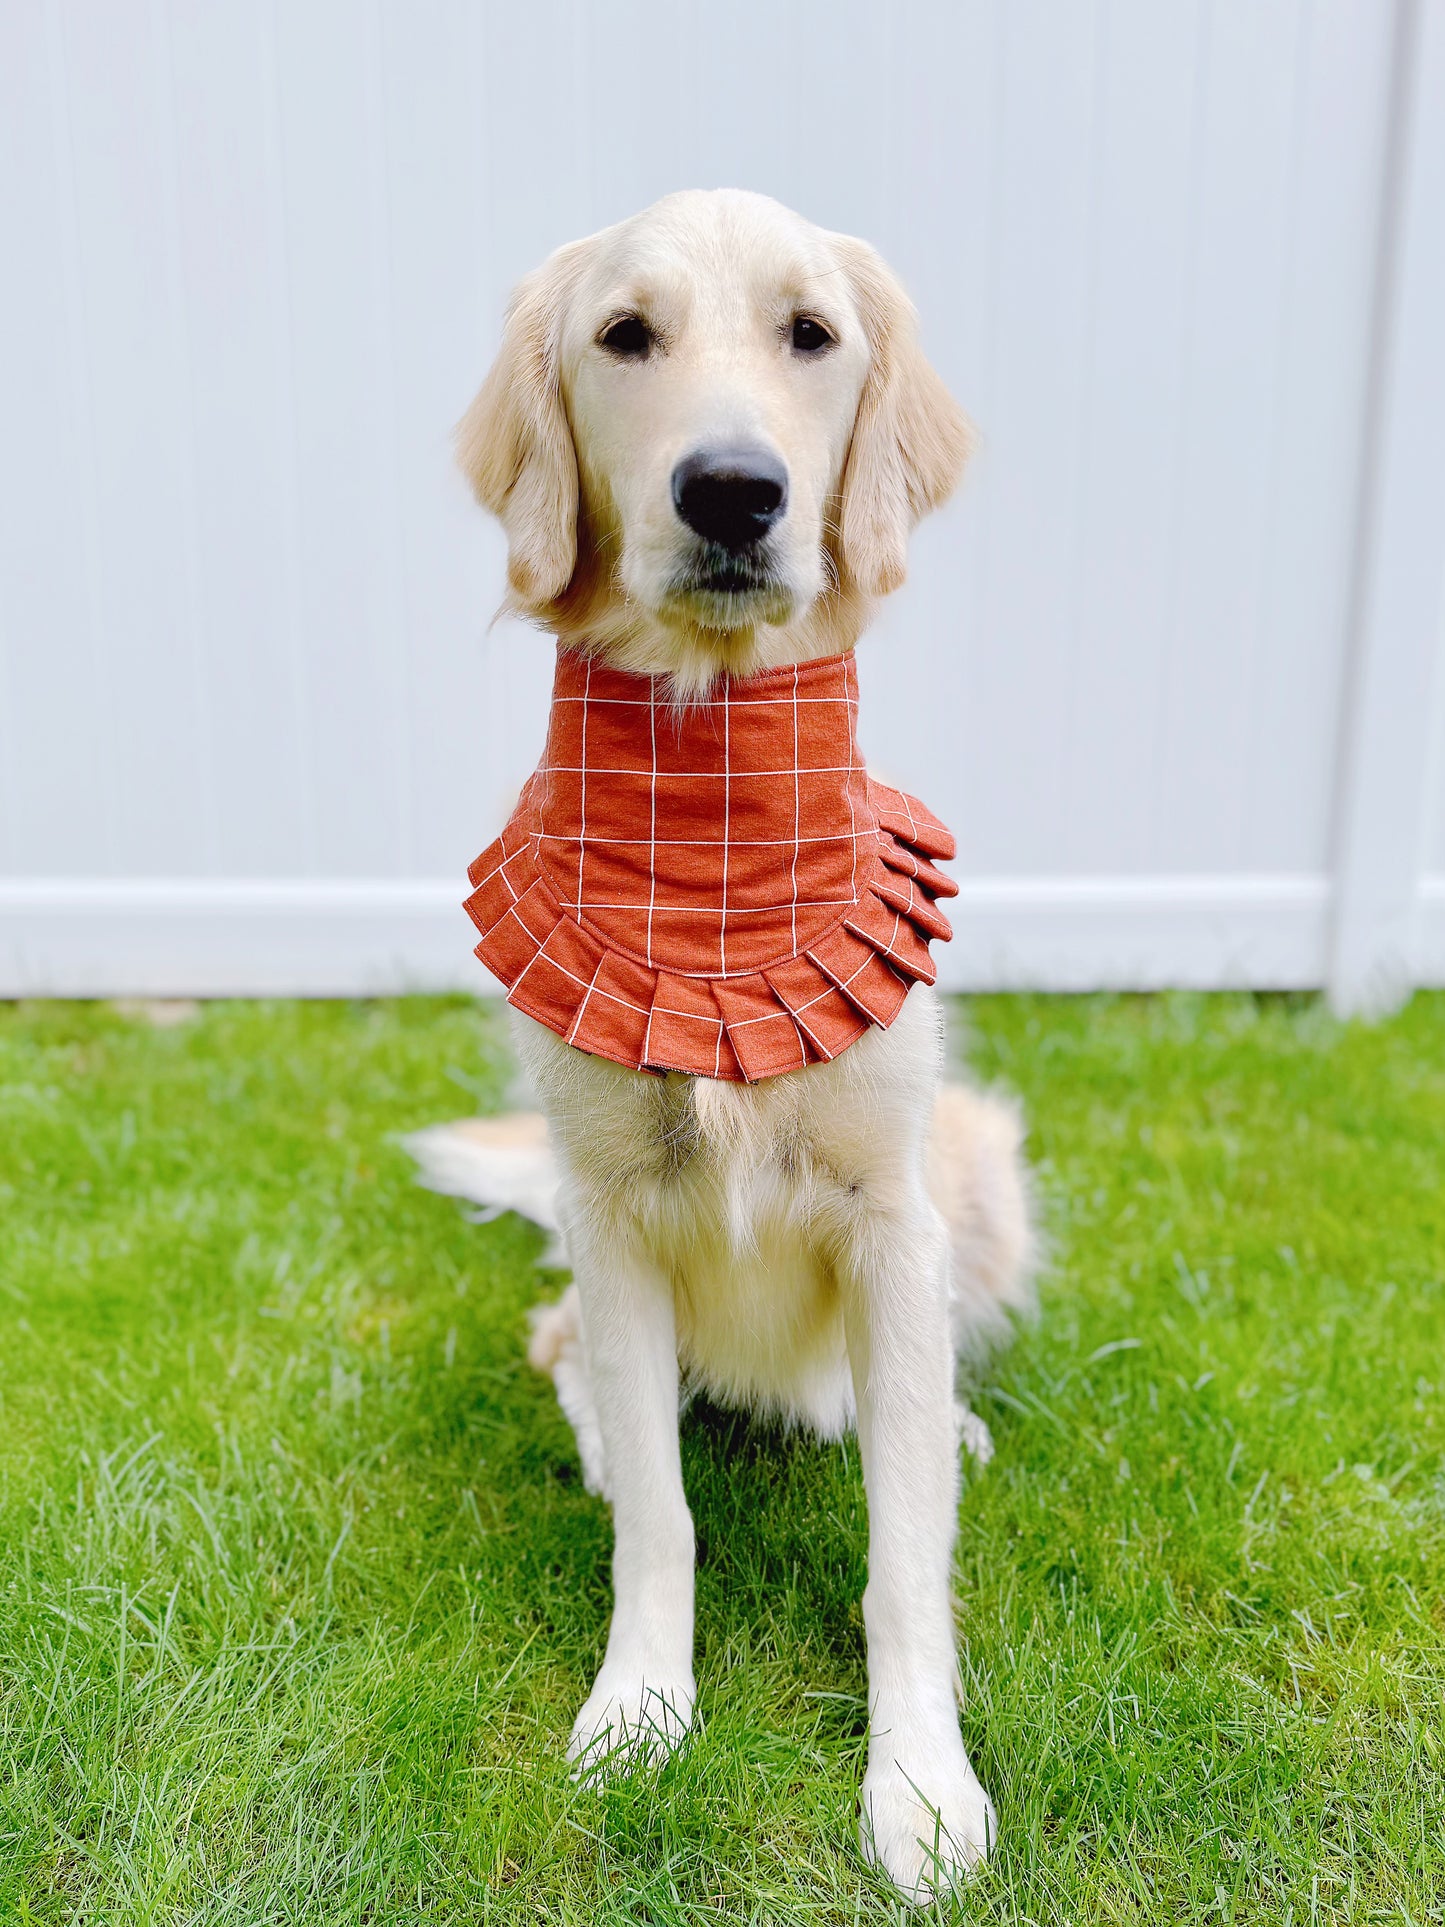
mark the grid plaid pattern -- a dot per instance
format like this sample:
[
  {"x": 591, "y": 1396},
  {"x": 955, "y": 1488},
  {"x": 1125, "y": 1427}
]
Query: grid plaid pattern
[{"x": 718, "y": 888}]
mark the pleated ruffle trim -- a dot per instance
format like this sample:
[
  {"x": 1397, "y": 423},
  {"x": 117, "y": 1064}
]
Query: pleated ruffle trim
[{"x": 803, "y": 1010}]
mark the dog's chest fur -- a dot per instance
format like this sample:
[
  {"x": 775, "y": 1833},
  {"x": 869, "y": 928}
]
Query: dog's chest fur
[{"x": 743, "y": 1196}]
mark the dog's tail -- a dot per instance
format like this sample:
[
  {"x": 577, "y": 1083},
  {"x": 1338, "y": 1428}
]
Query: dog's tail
[
  {"x": 496, "y": 1163},
  {"x": 980, "y": 1183}
]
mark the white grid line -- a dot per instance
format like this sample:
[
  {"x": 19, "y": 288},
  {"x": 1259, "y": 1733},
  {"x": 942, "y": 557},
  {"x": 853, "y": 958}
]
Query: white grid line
[
  {"x": 739, "y": 702},
  {"x": 703, "y": 842},
  {"x": 797, "y": 809},
  {"x": 634, "y": 769},
  {"x": 853, "y": 824},
  {"x": 709, "y": 910},
  {"x": 582, "y": 826},
  {"x": 586, "y": 995},
  {"x": 727, "y": 819},
  {"x": 652, "y": 833}
]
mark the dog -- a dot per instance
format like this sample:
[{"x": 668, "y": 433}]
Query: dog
[{"x": 708, "y": 434}]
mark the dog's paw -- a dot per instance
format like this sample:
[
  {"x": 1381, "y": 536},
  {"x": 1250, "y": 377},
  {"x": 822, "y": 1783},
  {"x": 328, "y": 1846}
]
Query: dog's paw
[
  {"x": 973, "y": 1434},
  {"x": 556, "y": 1349},
  {"x": 629, "y": 1722},
  {"x": 929, "y": 1830}
]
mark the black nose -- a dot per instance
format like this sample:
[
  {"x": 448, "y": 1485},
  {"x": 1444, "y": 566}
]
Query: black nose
[{"x": 731, "y": 496}]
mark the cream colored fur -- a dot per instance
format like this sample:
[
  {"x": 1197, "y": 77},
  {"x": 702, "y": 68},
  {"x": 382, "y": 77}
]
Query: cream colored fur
[
  {"x": 766, "y": 1348},
  {"x": 823, "y": 1245},
  {"x": 572, "y": 451}
]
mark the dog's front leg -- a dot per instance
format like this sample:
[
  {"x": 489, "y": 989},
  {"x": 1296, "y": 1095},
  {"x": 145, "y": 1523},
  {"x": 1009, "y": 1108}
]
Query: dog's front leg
[
  {"x": 925, "y": 1817},
  {"x": 641, "y": 1703}
]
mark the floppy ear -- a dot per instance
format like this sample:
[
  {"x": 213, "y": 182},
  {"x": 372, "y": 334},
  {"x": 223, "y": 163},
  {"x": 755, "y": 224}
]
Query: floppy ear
[
  {"x": 514, "y": 443},
  {"x": 911, "y": 438}
]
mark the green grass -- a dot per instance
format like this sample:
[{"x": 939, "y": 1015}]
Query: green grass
[{"x": 299, "y": 1588}]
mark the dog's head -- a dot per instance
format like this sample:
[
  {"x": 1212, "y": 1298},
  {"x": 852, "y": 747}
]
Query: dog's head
[{"x": 709, "y": 424}]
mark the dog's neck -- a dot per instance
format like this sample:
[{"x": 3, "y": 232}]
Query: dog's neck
[
  {"x": 595, "y": 617},
  {"x": 693, "y": 659}
]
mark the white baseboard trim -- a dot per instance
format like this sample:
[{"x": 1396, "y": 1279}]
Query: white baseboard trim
[
  {"x": 1430, "y": 947},
  {"x": 1139, "y": 933},
  {"x": 72, "y": 937},
  {"x": 234, "y": 937}
]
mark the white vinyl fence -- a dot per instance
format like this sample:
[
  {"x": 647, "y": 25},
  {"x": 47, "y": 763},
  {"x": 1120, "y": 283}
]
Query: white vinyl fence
[{"x": 1171, "y": 665}]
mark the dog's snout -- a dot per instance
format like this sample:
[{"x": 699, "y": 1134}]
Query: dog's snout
[{"x": 731, "y": 496}]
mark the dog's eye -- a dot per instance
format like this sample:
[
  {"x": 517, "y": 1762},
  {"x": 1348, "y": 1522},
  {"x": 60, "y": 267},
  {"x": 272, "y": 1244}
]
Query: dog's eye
[
  {"x": 628, "y": 336},
  {"x": 810, "y": 337}
]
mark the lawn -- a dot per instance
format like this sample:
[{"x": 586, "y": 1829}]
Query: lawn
[{"x": 299, "y": 1587}]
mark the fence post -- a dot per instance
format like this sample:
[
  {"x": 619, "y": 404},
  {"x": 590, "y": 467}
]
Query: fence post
[{"x": 1399, "y": 628}]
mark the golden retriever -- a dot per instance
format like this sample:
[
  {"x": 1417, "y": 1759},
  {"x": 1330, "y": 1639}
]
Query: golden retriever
[{"x": 825, "y": 1244}]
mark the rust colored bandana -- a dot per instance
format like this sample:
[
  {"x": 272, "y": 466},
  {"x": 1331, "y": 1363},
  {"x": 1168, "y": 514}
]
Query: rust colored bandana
[{"x": 719, "y": 887}]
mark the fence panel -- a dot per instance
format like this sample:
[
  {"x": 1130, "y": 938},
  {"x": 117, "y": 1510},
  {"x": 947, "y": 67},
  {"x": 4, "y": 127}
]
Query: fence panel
[{"x": 252, "y": 720}]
